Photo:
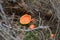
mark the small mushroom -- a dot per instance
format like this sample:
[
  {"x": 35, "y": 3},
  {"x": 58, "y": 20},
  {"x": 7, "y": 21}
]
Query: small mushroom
[
  {"x": 32, "y": 26},
  {"x": 52, "y": 35}
]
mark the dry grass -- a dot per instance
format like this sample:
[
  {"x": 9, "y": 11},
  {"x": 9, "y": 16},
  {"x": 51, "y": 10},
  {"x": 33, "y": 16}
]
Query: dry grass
[{"x": 46, "y": 13}]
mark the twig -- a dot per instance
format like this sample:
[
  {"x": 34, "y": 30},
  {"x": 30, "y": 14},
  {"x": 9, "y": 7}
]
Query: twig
[{"x": 3, "y": 14}]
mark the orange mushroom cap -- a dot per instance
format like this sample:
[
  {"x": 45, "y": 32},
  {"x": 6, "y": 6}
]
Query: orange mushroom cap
[
  {"x": 32, "y": 26},
  {"x": 33, "y": 19},
  {"x": 25, "y": 19},
  {"x": 53, "y": 35}
]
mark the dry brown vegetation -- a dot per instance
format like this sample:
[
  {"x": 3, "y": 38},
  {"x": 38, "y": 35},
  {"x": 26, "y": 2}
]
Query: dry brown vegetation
[{"x": 46, "y": 14}]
